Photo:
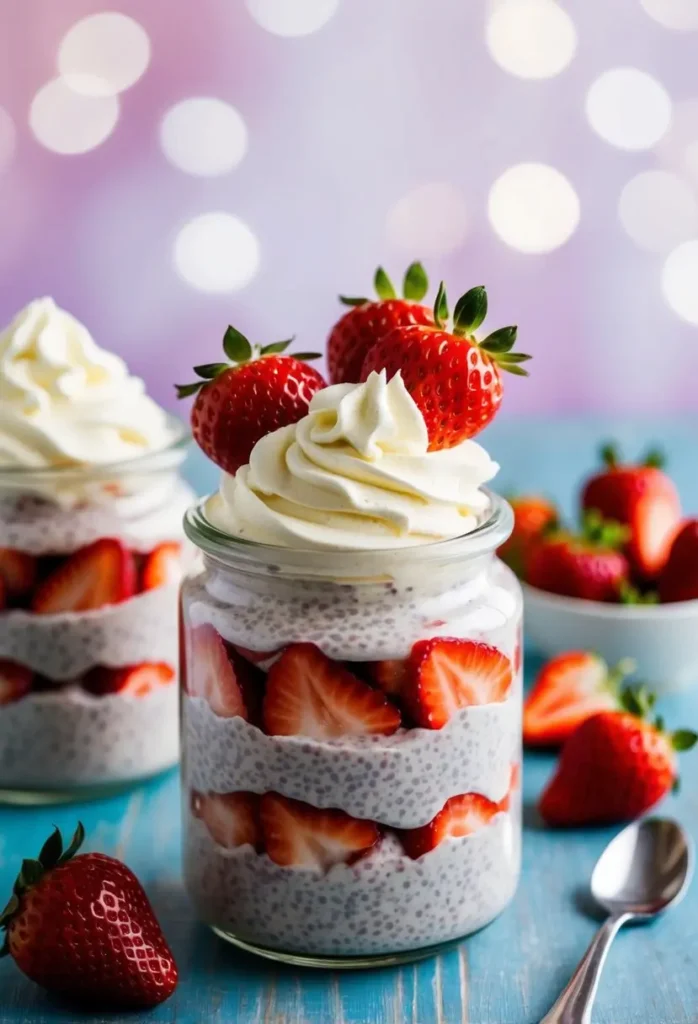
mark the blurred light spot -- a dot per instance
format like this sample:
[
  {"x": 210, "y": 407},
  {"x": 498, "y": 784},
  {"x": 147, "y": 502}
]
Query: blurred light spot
[
  {"x": 71, "y": 122},
  {"x": 216, "y": 252},
  {"x": 628, "y": 108},
  {"x": 658, "y": 210},
  {"x": 8, "y": 138},
  {"x": 203, "y": 136},
  {"x": 531, "y": 38},
  {"x": 533, "y": 208},
  {"x": 678, "y": 149},
  {"x": 292, "y": 17},
  {"x": 681, "y": 15},
  {"x": 680, "y": 281},
  {"x": 429, "y": 221},
  {"x": 104, "y": 54},
  {"x": 690, "y": 160}
]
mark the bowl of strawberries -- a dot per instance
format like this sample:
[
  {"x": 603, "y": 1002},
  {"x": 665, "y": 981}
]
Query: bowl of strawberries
[{"x": 625, "y": 583}]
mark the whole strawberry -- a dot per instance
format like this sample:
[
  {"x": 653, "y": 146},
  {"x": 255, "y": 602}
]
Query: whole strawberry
[
  {"x": 533, "y": 516},
  {"x": 238, "y": 404},
  {"x": 614, "y": 767},
  {"x": 82, "y": 927},
  {"x": 368, "y": 321},
  {"x": 588, "y": 565},
  {"x": 455, "y": 380},
  {"x": 641, "y": 497},
  {"x": 679, "y": 578}
]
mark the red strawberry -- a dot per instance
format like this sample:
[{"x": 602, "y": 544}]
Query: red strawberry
[
  {"x": 460, "y": 816},
  {"x": 391, "y": 676},
  {"x": 514, "y": 785},
  {"x": 533, "y": 516},
  {"x": 238, "y": 404},
  {"x": 614, "y": 767},
  {"x": 307, "y": 694},
  {"x": 102, "y": 573},
  {"x": 679, "y": 578},
  {"x": 15, "y": 681},
  {"x": 368, "y": 321},
  {"x": 569, "y": 689},
  {"x": 18, "y": 571},
  {"x": 162, "y": 566},
  {"x": 644, "y": 499},
  {"x": 588, "y": 565},
  {"x": 454, "y": 379},
  {"x": 231, "y": 686},
  {"x": 130, "y": 680},
  {"x": 232, "y": 819},
  {"x": 447, "y": 675},
  {"x": 299, "y": 835},
  {"x": 83, "y": 928}
]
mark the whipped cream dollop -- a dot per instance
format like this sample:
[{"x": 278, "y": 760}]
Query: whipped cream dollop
[
  {"x": 65, "y": 401},
  {"x": 355, "y": 473}
]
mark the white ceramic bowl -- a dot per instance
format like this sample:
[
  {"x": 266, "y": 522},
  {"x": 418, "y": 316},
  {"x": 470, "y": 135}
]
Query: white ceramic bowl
[{"x": 661, "y": 639}]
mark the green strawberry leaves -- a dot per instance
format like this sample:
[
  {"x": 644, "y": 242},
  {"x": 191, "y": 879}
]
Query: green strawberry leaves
[
  {"x": 441, "y": 307},
  {"x": 470, "y": 311},
  {"x": 603, "y": 533},
  {"x": 683, "y": 739},
  {"x": 236, "y": 346},
  {"x": 415, "y": 285},
  {"x": 383, "y": 285}
]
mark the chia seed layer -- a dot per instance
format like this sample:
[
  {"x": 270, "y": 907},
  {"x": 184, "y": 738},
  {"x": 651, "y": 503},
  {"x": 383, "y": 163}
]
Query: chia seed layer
[
  {"x": 70, "y": 738},
  {"x": 401, "y": 780},
  {"x": 385, "y": 903}
]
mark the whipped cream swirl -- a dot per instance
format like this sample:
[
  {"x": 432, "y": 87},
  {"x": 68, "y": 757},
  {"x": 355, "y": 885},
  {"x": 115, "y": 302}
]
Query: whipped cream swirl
[
  {"x": 64, "y": 401},
  {"x": 355, "y": 473}
]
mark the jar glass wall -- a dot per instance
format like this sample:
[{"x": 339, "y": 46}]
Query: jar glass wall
[{"x": 376, "y": 841}]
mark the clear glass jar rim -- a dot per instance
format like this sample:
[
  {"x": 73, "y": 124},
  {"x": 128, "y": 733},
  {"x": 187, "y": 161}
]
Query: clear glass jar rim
[{"x": 246, "y": 554}]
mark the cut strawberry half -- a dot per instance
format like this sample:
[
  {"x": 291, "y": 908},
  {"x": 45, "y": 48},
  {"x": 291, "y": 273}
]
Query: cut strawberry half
[
  {"x": 101, "y": 574},
  {"x": 569, "y": 689},
  {"x": 309, "y": 695},
  {"x": 232, "y": 819},
  {"x": 299, "y": 835},
  {"x": 130, "y": 680},
  {"x": 162, "y": 567},
  {"x": 232, "y": 687},
  {"x": 15, "y": 681},
  {"x": 447, "y": 675},
  {"x": 18, "y": 571},
  {"x": 654, "y": 522},
  {"x": 460, "y": 816},
  {"x": 390, "y": 675}
]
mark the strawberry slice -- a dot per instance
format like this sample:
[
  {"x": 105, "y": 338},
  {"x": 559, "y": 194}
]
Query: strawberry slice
[
  {"x": 299, "y": 835},
  {"x": 514, "y": 784},
  {"x": 130, "y": 680},
  {"x": 447, "y": 675},
  {"x": 460, "y": 816},
  {"x": 310, "y": 695},
  {"x": 219, "y": 675},
  {"x": 163, "y": 566},
  {"x": 654, "y": 522},
  {"x": 103, "y": 573},
  {"x": 390, "y": 676},
  {"x": 569, "y": 689},
  {"x": 18, "y": 571},
  {"x": 232, "y": 819},
  {"x": 263, "y": 659},
  {"x": 15, "y": 681}
]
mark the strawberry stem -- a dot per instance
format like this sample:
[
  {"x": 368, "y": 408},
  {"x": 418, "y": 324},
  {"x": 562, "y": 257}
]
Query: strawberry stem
[
  {"x": 415, "y": 285},
  {"x": 441, "y": 307},
  {"x": 654, "y": 459},
  {"x": 609, "y": 455}
]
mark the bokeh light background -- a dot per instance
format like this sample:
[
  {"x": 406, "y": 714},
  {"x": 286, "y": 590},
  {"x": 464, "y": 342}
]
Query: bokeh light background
[{"x": 167, "y": 167}]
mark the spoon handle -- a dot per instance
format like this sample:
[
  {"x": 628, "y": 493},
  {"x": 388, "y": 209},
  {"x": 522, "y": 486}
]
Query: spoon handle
[{"x": 575, "y": 1003}]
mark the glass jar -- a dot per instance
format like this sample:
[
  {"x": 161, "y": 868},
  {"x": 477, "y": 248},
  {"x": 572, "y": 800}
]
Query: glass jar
[
  {"x": 90, "y": 567},
  {"x": 351, "y": 733}
]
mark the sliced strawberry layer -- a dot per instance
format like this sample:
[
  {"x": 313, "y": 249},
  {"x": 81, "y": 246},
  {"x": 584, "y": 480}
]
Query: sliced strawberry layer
[
  {"x": 514, "y": 786},
  {"x": 15, "y": 681},
  {"x": 101, "y": 574},
  {"x": 256, "y": 657},
  {"x": 163, "y": 566},
  {"x": 447, "y": 675},
  {"x": 460, "y": 816},
  {"x": 298, "y": 835},
  {"x": 219, "y": 675},
  {"x": 390, "y": 675},
  {"x": 307, "y": 694},
  {"x": 232, "y": 819},
  {"x": 131, "y": 680},
  {"x": 654, "y": 523},
  {"x": 18, "y": 572},
  {"x": 569, "y": 689}
]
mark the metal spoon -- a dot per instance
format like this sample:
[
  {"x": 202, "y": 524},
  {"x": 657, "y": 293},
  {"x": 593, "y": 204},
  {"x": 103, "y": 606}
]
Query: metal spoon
[{"x": 645, "y": 869}]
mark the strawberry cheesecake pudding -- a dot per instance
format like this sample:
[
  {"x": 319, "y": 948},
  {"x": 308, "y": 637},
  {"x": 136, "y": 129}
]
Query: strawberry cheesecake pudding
[
  {"x": 352, "y": 693},
  {"x": 90, "y": 565}
]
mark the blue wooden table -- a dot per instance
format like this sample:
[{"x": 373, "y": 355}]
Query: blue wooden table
[{"x": 507, "y": 974}]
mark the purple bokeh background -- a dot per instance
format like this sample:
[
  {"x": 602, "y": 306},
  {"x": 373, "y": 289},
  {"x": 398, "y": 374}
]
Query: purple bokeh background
[{"x": 387, "y": 96}]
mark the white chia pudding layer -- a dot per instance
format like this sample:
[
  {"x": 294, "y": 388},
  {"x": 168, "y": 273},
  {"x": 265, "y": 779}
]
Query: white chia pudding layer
[
  {"x": 66, "y": 645},
  {"x": 401, "y": 780},
  {"x": 70, "y": 738},
  {"x": 384, "y": 903}
]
